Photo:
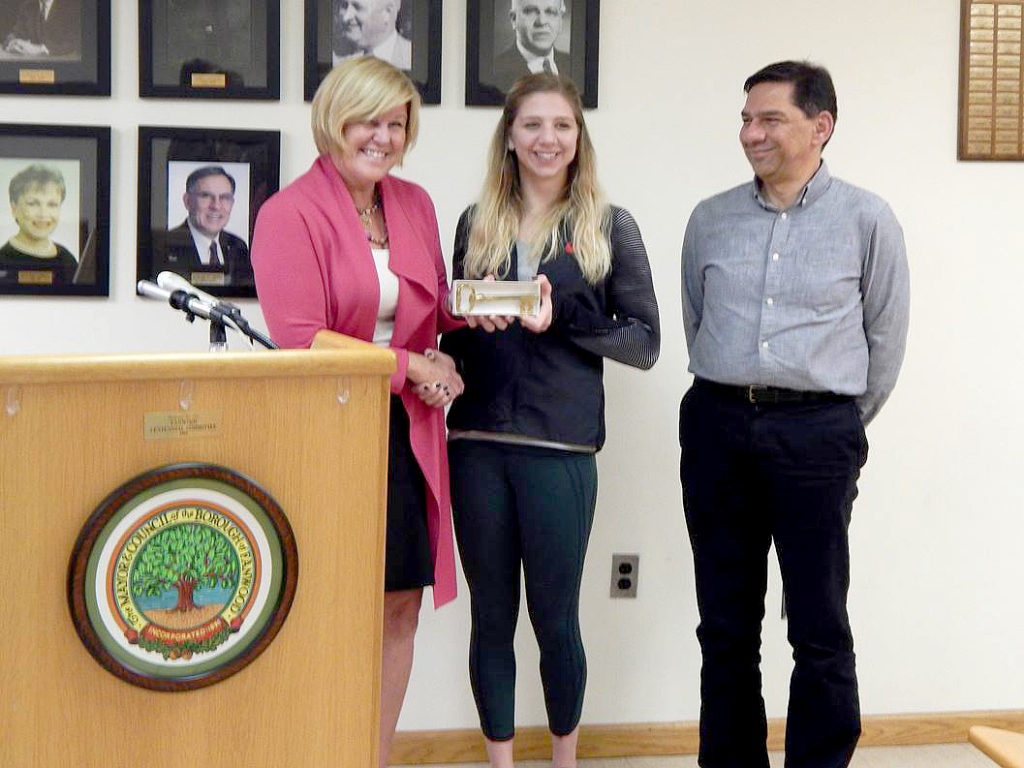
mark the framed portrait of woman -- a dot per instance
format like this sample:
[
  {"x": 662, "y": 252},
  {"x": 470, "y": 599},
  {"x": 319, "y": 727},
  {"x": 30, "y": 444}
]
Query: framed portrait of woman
[
  {"x": 219, "y": 49},
  {"x": 199, "y": 193},
  {"x": 507, "y": 39},
  {"x": 56, "y": 239},
  {"x": 406, "y": 33},
  {"x": 56, "y": 47}
]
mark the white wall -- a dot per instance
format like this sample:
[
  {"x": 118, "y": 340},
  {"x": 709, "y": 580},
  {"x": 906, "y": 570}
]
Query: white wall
[{"x": 937, "y": 531}]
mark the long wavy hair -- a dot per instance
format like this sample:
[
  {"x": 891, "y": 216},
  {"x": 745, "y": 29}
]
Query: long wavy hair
[{"x": 581, "y": 211}]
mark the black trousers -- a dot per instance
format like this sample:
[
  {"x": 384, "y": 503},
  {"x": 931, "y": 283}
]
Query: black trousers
[
  {"x": 522, "y": 507},
  {"x": 751, "y": 475}
]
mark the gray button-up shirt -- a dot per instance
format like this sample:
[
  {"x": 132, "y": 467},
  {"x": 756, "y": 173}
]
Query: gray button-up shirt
[{"x": 815, "y": 297}]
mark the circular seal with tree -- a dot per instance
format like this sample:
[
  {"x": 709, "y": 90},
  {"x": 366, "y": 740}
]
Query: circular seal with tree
[{"x": 182, "y": 576}]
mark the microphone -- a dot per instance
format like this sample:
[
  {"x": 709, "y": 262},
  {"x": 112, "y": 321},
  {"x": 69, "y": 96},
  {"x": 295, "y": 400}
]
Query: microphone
[
  {"x": 180, "y": 300},
  {"x": 172, "y": 281},
  {"x": 181, "y": 294},
  {"x": 151, "y": 291}
]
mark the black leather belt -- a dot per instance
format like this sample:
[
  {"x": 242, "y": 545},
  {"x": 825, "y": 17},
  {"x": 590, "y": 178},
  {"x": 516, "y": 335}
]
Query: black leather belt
[{"x": 759, "y": 395}]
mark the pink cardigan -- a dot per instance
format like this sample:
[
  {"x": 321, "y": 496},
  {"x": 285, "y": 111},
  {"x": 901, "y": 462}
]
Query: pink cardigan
[{"x": 314, "y": 270}]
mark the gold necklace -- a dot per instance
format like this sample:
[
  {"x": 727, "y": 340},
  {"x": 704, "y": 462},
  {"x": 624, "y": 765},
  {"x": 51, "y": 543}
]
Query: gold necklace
[
  {"x": 364, "y": 213},
  {"x": 364, "y": 216}
]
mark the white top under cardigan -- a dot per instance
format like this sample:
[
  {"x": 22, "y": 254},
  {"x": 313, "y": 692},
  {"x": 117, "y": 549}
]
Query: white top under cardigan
[{"x": 388, "y": 298}]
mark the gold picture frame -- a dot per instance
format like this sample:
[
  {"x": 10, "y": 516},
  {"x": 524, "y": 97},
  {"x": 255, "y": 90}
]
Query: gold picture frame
[{"x": 991, "y": 109}]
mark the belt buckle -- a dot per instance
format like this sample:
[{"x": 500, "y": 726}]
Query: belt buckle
[{"x": 750, "y": 394}]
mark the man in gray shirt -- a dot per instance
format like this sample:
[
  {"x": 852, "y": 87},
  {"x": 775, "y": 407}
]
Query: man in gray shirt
[{"x": 795, "y": 306}]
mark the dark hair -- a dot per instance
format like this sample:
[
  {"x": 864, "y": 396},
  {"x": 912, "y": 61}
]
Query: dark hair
[
  {"x": 36, "y": 175},
  {"x": 813, "y": 91},
  {"x": 201, "y": 173}
]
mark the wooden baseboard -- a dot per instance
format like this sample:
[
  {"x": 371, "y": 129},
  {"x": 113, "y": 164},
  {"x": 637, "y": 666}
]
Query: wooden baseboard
[{"x": 643, "y": 739}]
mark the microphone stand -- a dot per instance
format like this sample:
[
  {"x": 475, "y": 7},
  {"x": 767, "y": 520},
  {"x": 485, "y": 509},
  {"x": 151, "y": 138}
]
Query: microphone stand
[
  {"x": 218, "y": 333},
  {"x": 221, "y": 314},
  {"x": 242, "y": 325},
  {"x": 228, "y": 313},
  {"x": 218, "y": 336}
]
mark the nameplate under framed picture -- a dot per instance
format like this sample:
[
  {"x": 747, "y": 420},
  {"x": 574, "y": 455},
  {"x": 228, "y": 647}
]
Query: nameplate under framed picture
[
  {"x": 57, "y": 239},
  {"x": 199, "y": 193},
  {"x": 406, "y": 34},
  {"x": 505, "y": 41},
  {"x": 60, "y": 48},
  {"x": 210, "y": 49}
]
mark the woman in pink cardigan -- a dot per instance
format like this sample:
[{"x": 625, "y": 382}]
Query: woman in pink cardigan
[{"x": 350, "y": 248}]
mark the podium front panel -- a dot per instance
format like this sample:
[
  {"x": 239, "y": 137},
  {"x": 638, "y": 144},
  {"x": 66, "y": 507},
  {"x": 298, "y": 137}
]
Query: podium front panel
[{"x": 314, "y": 437}]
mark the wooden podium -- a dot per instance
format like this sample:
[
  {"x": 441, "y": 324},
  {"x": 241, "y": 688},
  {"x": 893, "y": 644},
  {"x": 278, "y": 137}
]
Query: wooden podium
[{"x": 310, "y": 427}]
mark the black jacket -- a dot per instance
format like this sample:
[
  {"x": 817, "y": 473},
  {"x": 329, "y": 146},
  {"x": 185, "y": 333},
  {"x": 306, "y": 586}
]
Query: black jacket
[
  {"x": 175, "y": 250},
  {"x": 61, "y": 33},
  {"x": 549, "y": 385}
]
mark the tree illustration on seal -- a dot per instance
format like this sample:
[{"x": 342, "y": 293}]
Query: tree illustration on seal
[{"x": 185, "y": 557}]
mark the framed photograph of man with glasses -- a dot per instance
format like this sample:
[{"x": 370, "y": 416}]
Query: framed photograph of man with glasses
[
  {"x": 199, "y": 193},
  {"x": 56, "y": 47},
  {"x": 507, "y": 39},
  {"x": 406, "y": 33}
]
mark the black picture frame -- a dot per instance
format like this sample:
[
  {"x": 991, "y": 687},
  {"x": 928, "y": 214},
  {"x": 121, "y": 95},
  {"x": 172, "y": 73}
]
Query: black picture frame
[
  {"x": 418, "y": 22},
  {"x": 76, "y": 59},
  {"x": 493, "y": 62},
  {"x": 210, "y": 49},
  {"x": 169, "y": 217},
  {"x": 36, "y": 161}
]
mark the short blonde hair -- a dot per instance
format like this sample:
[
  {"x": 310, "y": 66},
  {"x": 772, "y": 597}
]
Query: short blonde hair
[{"x": 359, "y": 89}]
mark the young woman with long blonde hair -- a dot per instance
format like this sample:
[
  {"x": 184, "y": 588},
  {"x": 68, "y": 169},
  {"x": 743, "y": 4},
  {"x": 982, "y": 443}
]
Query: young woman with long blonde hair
[{"x": 522, "y": 437}]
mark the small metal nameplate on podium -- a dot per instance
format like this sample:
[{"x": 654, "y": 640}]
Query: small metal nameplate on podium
[
  {"x": 160, "y": 425},
  {"x": 496, "y": 297}
]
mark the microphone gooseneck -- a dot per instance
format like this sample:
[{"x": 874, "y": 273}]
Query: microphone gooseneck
[{"x": 180, "y": 294}]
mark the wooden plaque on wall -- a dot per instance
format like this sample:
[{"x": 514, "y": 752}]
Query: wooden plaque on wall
[{"x": 991, "y": 80}]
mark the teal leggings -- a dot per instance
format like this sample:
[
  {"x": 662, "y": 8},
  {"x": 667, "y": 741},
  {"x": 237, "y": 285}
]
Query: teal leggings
[{"x": 532, "y": 506}]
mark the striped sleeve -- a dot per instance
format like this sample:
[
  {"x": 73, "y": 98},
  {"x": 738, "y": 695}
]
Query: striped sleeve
[{"x": 632, "y": 332}]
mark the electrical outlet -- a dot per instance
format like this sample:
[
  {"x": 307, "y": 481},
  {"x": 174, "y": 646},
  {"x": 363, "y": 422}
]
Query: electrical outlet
[{"x": 625, "y": 570}]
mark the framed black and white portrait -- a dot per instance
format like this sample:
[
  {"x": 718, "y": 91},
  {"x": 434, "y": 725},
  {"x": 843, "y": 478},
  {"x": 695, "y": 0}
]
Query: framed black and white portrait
[
  {"x": 55, "y": 240},
  {"x": 222, "y": 49},
  {"x": 406, "y": 33},
  {"x": 199, "y": 193},
  {"x": 507, "y": 39},
  {"x": 55, "y": 47}
]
